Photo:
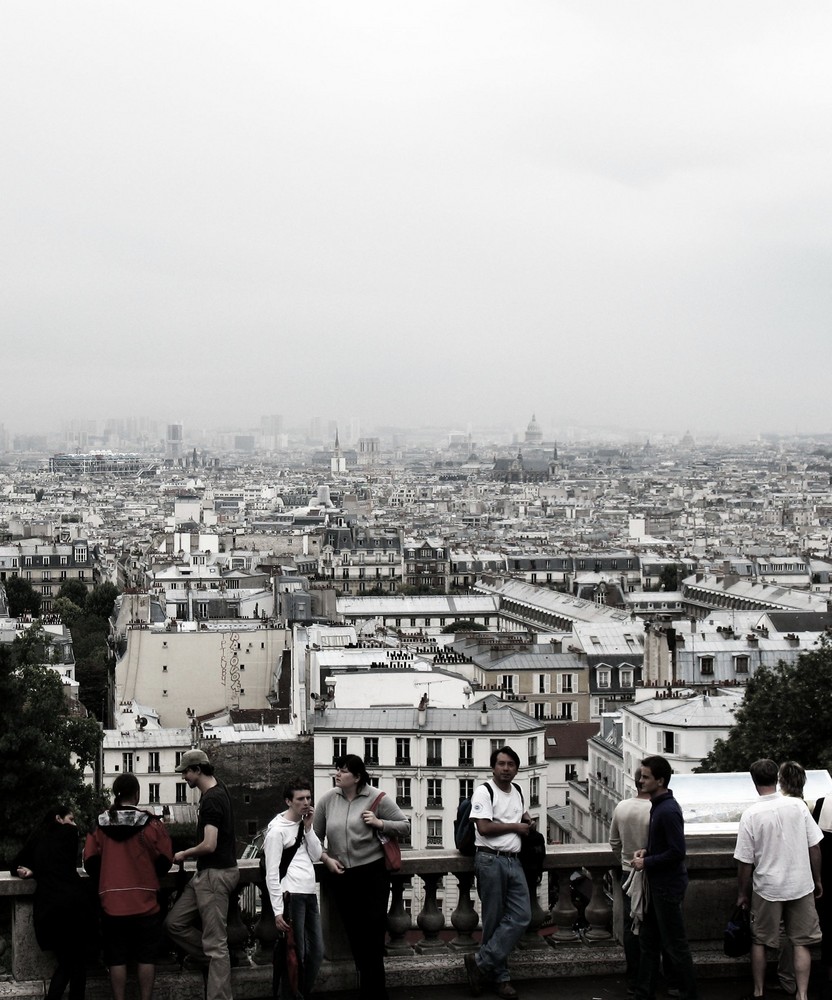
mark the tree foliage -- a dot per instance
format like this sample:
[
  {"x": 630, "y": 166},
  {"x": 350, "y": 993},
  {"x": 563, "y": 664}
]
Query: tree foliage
[
  {"x": 465, "y": 625},
  {"x": 38, "y": 738},
  {"x": 75, "y": 591},
  {"x": 22, "y": 597},
  {"x": 100, "y": 600},
  {"x": 783, "y": 716}
]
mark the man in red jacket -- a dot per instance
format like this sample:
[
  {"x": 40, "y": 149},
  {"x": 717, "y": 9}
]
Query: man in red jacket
[{"x": 127, "y": 852}]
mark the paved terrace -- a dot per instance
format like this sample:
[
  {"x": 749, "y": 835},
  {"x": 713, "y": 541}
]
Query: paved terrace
[{"x": 425, "y": 953}]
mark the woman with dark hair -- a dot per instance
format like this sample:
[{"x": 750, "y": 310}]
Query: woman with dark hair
[
  {"x": 358, "y": 879},
  {"x": 60, "y": 911},
  {"x": 792, "y": 778},
  {"x": 126, "y": 854}
]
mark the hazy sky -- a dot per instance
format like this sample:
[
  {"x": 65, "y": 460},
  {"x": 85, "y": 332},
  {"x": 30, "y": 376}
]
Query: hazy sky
[{"x": 605, "y": 212}]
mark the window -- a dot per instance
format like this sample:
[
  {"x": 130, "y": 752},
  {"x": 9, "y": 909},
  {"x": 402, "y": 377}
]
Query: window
[
  {"x": 542, "y": 684},
  {"x": 741, "y": 664},
  {"x": 434, "y": 752},
  {"x": 466, "y": 788},
  {"x": 497, "y": 745},
  {"x": 434, "y": 793},
  {"x": 466, "y": 753},
  {"x": 706, "y": 664},
  {"x": 566, "y": 710},
  {"x": 179, "y": 754},
  {"x": 541, "y": 710},
  {"x": 403, "y": 792},
  {"x": 509, "y": 682},
  {"x": 570, "y": 772},
  {"x": 566, "y": 683},
  {"x": 371, "y": 749},
  {"x": 626, "y": 678},
  {"x": 153, "y": 762},
  {"x": 403, "y": 750},
  {"x": 532, "y": 751},
  {"x": 534, "y": 791},
  {"x": 434, "y": 832},
  {"x": 153, "y": 793},
  {"x": 667, "y": 742},
  {"x": 603, "y": 678},
  {"x": 181, "y": 791},
  {"x": 339, "y": 747},
  {"x": 127, "y": 762}
]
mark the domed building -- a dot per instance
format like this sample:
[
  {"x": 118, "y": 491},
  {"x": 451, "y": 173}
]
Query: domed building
[{"x": 534, "y": 435}]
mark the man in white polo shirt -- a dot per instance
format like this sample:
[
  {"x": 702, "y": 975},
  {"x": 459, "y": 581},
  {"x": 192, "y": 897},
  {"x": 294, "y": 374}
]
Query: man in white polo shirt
[{"x": 778, "y": 852}]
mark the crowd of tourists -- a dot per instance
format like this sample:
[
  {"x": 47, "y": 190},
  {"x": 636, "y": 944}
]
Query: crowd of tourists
[{"x": 780, "y": 847}]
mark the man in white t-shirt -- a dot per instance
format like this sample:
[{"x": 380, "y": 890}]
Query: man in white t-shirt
[
  {"x": 500, "y": 820},
  {"x": 778, "y": 841}
]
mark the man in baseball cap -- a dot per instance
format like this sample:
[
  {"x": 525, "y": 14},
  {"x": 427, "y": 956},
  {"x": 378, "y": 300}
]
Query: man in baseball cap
[{"x": 206, "y": 896}]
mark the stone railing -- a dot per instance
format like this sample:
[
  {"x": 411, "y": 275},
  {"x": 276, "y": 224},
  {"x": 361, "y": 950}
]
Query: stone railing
[{"x": 572, "y": 931}]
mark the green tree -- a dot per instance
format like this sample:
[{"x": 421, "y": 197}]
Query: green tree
[
  {"x": 75, "y": 591},
  {"x": 89, "y": 644},
  {"x": 464, "y": 626},
  {"x": 100, "y": 600},
  {"x": 782, "y": 716},
  {"x": 43, "y": 747},
  {"x": 22, "y": 597},
  {"x": 69, "y": 611}
]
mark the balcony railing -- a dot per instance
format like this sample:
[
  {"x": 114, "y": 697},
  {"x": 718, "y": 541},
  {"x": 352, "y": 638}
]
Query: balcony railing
[{"x": 570, "y": 933}]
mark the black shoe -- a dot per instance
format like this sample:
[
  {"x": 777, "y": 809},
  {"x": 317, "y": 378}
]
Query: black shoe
[{"x": 476, "y": 980}]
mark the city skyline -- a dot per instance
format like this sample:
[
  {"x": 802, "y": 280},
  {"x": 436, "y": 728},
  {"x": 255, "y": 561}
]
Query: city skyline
[{"x": 452, "y": 214}]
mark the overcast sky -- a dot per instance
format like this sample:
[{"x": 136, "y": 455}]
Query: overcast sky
[{"x": 460, "y": 212}]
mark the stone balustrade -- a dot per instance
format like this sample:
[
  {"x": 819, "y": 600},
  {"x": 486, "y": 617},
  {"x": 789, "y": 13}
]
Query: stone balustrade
[{"x": 572, "y": 932}]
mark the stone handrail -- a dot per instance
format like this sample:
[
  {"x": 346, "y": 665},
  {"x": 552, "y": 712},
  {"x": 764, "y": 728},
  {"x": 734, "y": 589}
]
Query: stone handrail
[{"x": 574, "y": 935}]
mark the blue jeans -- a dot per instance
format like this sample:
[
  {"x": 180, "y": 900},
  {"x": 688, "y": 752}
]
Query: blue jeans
[
  {"x": 663, "y": 929},
  {"x": 506, "y": 910},
  {"x": 302, "y": 913}
]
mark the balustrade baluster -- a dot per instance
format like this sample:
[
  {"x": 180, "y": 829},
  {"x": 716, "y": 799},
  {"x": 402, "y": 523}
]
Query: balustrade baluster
[
  {"x": 238, "y": 934},
  {"x": 531, "y": 939},
  {"x": 565, "y": 912},
  {"x": 465, "y": 918},
  {"x": 398, "y": 919},
  {"x": 431, "y": 919},
  {"x": 598, "y": 912},
  {"x": 264, "y": 930}
]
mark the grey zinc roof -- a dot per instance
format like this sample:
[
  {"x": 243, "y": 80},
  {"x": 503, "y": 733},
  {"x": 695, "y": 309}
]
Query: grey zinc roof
[
  {"x": 412, "y": 607},
  {"x": 558, "y": 603},
  {"x": 439, "y": 720},
  {"x": 530, "y": 661},
  {"x": 704, "y": 710}
]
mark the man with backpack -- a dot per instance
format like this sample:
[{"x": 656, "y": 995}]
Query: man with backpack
[
  {"x": 291, "y": 849},
  {"x": 500, "y": 821}
]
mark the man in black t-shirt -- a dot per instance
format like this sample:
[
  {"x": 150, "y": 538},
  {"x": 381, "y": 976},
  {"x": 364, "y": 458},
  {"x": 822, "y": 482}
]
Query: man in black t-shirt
[{"x": 206, "y": 896}]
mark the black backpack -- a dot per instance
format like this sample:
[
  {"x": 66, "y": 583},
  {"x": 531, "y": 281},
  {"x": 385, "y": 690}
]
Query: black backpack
[{"x": 464, "y": 826}]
